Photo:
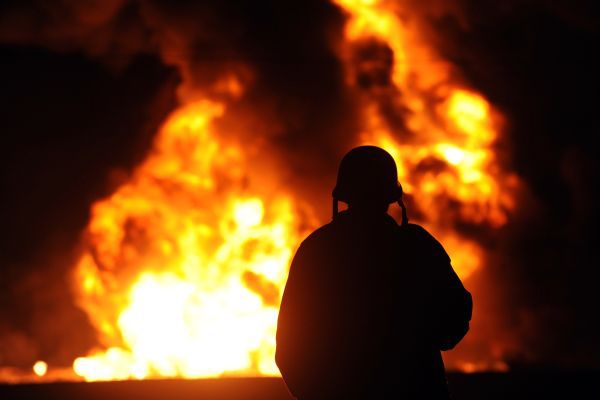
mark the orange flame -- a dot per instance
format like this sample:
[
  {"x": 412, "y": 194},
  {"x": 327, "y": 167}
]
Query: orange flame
[
  {"x": 184, "y": 264},
  {"x": 184, "y": 270}
]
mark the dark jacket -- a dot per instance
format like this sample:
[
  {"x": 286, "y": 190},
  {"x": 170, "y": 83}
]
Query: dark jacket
[{"x": 367, "y": 308}]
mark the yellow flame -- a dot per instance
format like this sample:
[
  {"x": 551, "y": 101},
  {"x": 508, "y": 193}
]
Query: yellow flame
[
  {"x": 248, "y": 213},
  {"x": 445, "y": 155},
  {"x": 470, "y": 113}
]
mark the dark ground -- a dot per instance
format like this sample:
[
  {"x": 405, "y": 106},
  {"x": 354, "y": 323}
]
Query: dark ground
[{"x": 489, "y": 386}]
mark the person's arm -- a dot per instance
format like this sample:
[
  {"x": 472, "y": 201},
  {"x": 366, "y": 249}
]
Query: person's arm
[
  {"x": 456, "y": 307},
  {"x": 451, "y": 304}
]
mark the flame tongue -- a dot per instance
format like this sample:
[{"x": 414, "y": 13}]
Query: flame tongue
[
  {"x": 444, "y": 143},
  {"x": 183, "y": 271}
]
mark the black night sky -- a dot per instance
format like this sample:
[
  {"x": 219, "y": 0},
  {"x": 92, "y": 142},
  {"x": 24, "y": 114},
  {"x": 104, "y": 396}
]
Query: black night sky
[{"x": 73, "y": 124}]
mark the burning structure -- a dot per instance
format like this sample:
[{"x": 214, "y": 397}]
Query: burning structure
[{"x": 180, "y": 268}]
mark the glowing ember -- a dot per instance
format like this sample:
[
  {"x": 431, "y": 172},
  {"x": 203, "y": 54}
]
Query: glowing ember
[{"x": 40, "y": 368}]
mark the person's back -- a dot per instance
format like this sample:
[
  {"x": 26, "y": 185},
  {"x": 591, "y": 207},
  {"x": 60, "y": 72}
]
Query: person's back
[{"x": 367, "y": 308}]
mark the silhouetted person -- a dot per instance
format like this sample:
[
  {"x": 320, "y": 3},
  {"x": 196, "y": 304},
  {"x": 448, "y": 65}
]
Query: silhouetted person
[{"x": 369, "y": 304}]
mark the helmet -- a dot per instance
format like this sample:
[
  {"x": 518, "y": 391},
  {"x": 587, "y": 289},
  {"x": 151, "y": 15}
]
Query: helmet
[{"x": 368, "y": 173}]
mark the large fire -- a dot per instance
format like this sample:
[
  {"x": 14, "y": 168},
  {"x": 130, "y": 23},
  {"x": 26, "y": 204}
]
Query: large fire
[
  {"x": 184, "y": 264},
  {"x": 183, "y": 271}
]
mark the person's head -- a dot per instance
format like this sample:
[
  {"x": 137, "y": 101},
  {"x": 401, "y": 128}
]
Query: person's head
[{"x": 368, "y": 179}]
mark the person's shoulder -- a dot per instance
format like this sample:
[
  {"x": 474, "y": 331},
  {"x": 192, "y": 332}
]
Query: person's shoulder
[
  {"x": 318, "y": 235},
  {"x": 417, "y": 231},
  {"x": 315, "y": 242},
  {"x": 422, "y": 239}
]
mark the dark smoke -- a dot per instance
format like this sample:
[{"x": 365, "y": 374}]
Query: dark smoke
[
  {"x": 71, "y": 131},
  {"x": 86, "y": 84}
]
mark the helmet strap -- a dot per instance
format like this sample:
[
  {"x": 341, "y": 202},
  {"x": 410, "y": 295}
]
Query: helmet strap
[
  {"x": 404, "y": 214},
  {"x": 334, "y": 209}
]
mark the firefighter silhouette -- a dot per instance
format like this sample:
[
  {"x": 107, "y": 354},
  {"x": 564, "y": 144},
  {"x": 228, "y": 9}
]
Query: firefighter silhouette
[{"x": 369, "y": 304}]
